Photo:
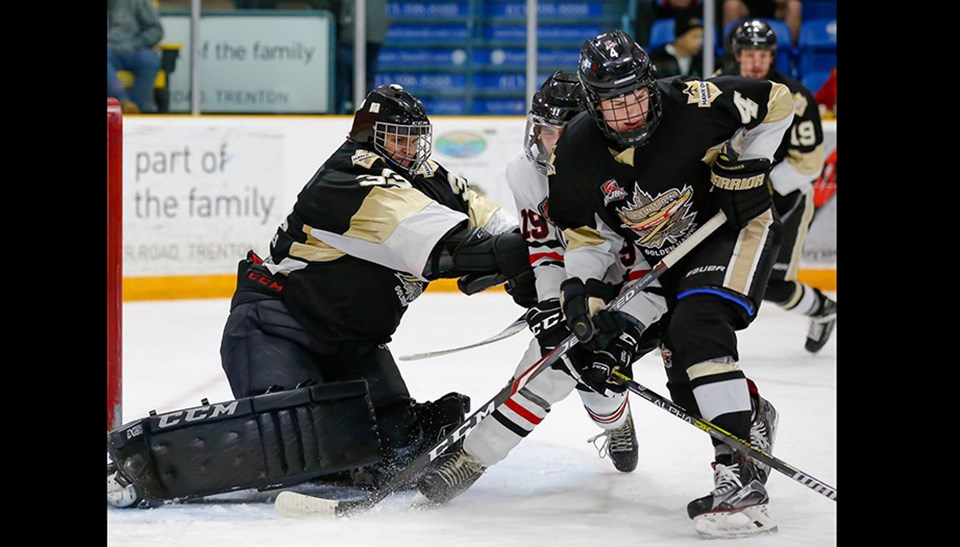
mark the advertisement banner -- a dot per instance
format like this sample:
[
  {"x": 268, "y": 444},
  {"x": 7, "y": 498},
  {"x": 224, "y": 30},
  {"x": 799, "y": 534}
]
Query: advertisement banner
[
  {"x": 199, "y": 192},
  {"x": 255, "y": 64},
  {"x": 196, "y": 197}
]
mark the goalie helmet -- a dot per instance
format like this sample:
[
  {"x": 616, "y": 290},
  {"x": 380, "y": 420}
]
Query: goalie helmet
[
  {"x": 558, "y": 100},
  {"x": 614, "y": 66},
  {"x": 754, "y": 34},
  {"x": 395, "y": 124}
]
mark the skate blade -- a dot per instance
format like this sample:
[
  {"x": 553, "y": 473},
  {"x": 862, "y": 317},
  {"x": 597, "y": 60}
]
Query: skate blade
[
  {"x": 747, "y": 522},
  {"x": 295, "y": 505}
]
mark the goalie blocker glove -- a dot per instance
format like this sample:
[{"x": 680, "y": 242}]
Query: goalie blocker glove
[
  {"x": 477, "y": 255},
  {"x": 741, "y": 189}
]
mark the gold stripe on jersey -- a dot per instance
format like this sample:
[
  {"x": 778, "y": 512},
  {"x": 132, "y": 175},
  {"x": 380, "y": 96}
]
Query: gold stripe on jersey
[
  {"x": 799, "y": 104},
  {"x": 806, "y": 163},
  {"x": 480, "y": 209},
  {"x": 314, "y": 250},
  {"x": 583, "y": 236},
  {"x": 625, "y": 157},
  {"x": 710, "y": 368},
  {"x": 746, "y": 255},
  {"x": 794, "y": 267},
  {"x": 383, "y": 210},
  {"x": 780, "y": 103}
]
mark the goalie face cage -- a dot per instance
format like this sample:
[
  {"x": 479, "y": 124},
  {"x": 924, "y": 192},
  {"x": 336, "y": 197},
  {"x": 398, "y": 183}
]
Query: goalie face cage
[{"x": 114, "y": 261}]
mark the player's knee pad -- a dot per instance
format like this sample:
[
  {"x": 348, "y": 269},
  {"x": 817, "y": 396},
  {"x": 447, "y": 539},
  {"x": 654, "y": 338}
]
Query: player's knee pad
[{"x": 267, "y": 441}]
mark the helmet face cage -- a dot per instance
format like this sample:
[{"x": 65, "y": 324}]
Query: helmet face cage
[
  {"x": 407, "y": 145},
  {"x": 612, "y": 115},
  {"x": 538, "y": 142},
  {"x": 558, "y": 100},
  {"x": 394, "y": 123},
  {"x": 614, "y": 67}
]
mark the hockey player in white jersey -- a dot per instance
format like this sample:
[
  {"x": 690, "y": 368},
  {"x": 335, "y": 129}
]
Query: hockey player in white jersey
[{"x": 556, "y": 102}]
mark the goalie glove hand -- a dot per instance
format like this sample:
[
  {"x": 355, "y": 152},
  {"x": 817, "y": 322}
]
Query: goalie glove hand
[{"x": 741, "y": 189}]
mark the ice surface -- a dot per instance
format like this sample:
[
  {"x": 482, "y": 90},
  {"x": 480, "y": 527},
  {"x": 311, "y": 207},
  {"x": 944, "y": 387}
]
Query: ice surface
[{"x": 553, "y": 489}]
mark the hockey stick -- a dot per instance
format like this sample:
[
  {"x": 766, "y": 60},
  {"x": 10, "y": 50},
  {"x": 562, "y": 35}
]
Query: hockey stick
[
  {"x": 736, "y": 443},
  {"x": 293, "y": 504},
  {"x": 513, "y": 328}
]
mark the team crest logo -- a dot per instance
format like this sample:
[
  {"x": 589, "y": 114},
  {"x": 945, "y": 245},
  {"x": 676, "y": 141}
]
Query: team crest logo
[
  {"x": 659, "y": 220},
  {"x": 702, "y": 93},
  {"x": 409, "y": 289},
  {"x": 612, "y": 191},
  {"x": 799, "y": 104}
]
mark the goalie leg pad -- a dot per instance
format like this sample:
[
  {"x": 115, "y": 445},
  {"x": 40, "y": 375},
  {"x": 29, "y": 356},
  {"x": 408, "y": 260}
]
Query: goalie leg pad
[{"x": 267, "y": 441}]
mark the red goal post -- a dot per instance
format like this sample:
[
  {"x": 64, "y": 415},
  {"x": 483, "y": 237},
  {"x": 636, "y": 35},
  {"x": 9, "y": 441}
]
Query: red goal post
[{"x": 114, "y": 262}]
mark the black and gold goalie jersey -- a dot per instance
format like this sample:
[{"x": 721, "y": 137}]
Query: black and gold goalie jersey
[
  {"x": 355, "y": 245},
  {"x": 658, "y": 194}
]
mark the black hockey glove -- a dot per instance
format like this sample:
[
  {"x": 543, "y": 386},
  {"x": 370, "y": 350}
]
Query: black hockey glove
[
  {"x": 513, "y": 258},
  {"x": 545, "y": 320},
  {"x": 574, "y": 300},
  {"x": 523, "y": 289},
  {"x": 618, "y": 356},
  {"x": 741, "y": 189},
  {"x": 594, "y": 332}
]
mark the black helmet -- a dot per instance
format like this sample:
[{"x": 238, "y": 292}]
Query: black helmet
[
  {"x": 387, "y": 114},
  {"x": 754, "y": 34},
  {"x": 614, "y": 65},
  {"x": 557, "y": 101}
]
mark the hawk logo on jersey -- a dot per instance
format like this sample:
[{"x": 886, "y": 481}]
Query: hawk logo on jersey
[
  {"x": 659, "y": 220},
  {"x": 612, "y": 191},
  {"x": 702, "y": 93},
  {"x": 799, "y": 104},
  {"x": 409, "y": 289}
]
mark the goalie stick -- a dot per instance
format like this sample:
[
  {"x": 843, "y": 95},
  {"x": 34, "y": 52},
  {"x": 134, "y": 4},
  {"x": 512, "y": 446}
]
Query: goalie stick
[
  {"x": 736, "y": 443},
  {"x": 513, "y": 328},
  {"x": 294, "y": 504}
]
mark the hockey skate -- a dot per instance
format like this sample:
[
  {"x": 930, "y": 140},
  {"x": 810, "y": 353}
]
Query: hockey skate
[
  {"x": 453, "y": 473},
  {"x": 763, "y": 431},
  {"x": 621, "y": 444},
  {"x": 737, "y": 506},
  {"x": 120, "y": 491},
  {"x": 821, "y": 324}
]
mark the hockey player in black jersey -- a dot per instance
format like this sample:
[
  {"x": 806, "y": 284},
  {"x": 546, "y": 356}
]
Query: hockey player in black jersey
[
  {"x": 305, "y": 344},
  {"x": 558, "y": 100},
  {"x": 649, "y": 162},
  {"x": 796, "y": 165}
]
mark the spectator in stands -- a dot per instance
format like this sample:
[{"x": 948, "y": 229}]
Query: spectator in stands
[
  {"x": 133, "y": 29},
  {"x": 684, "y": 56},
  {"x": 344, "y": 12},
  {"x": 826, "y": 96},
  {"x": 649, "y": 11},
  {"x": 788, "y": 11}
]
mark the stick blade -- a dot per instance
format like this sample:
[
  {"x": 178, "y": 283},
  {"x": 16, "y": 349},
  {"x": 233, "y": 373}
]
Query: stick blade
[{"x": 295, "y": 505}]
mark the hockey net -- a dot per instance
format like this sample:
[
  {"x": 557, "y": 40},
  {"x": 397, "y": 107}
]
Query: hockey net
[{"x": 114, "y": 262}]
